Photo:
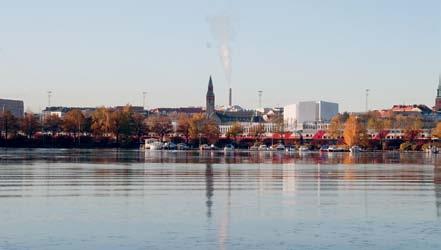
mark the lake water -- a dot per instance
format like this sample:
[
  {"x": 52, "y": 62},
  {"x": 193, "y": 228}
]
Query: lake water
[{"x": 108, "y": 199}]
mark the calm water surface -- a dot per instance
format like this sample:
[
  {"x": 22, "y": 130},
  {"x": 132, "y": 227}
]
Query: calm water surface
[{"x": 107, "y": 199}]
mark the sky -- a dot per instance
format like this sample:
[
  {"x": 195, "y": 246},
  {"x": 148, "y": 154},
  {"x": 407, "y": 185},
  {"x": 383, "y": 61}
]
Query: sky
[{"x": 107, "y": 52}]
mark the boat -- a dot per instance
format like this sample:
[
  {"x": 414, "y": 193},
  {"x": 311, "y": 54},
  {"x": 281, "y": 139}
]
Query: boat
[
  {"x": 263, "y": 147},
  {"x": 432, "y": 150},
  {"x": 279, "y": 147},
  {"x": 355, "y": 149},
  {"x": 156, "y": 146},
  {"x": 182, "y": 146},
  {"x": 204, "y": 147},
  {"x": 229, "y": 148},
  {"x": 304, "y": 149},
  {"x": 290, "y": 149},
  {"x": 153, "y": 144},
  {"x": 169, "y": 146},
  {"x": 324, "y": 149},
  {"x": 254, "y": 148},
  {"x": 335, "y": 149}
]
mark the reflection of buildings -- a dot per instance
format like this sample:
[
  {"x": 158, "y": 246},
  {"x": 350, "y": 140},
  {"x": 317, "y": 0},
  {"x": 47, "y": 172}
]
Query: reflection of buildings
[
  {"x": 437, "y": 184},
  {"x": 209, "y": 188}
]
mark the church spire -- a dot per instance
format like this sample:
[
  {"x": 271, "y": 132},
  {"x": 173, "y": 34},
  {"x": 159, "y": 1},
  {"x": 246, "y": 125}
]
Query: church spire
[
  {"x": 210, "y": 101},
  {"x": 210, "y": 86}
]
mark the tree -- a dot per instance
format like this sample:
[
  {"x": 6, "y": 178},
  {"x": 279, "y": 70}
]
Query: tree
[
  {"x": 336, "y": 127},
  {"x": 235, "y": 130},
  {"x": 211, "y": 131},
  {"x": 122, "y": 122},
  {"x": 8, "y": 123},
  {"x": 52, "y": 124},
  {"x": 257, "y": 131},
  {"x": 160, "y": 125},
  {"x": 201, "y": 126},
  {"x": 354, "y": 132},
  {"x": 73, "y": 122},
  {"x": 140, "y": 126},
  {"x": 29, "y": 125},
  {"x": 412, "y": 128},
  {"x": 183, "y": 126},
  {"x": 280, "y": 124},
  {"x": 436, "y": 132},
  {"x": 101, "y": 121},
  {"x": 378, "y": 125}
]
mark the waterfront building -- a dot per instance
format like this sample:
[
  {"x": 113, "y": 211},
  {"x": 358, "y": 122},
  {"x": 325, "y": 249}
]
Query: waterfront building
[
  {"x": 310, "y": 113},
  {"x": 225, "y": 117},
  {"x": 16, "y": 107}
]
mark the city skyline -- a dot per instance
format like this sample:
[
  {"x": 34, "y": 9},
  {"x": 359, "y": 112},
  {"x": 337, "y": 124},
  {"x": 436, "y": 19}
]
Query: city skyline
[{"x": 108, "y": 54}]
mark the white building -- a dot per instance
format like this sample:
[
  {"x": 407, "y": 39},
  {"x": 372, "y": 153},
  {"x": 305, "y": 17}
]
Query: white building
[{"x": 296, "y": 115}]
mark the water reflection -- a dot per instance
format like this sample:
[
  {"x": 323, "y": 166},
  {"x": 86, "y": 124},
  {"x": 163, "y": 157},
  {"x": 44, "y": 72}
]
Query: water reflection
[
  {"x": 437, "y": 183},
  {"x": 106, "y": 156},
  {"x": 192, "y": 200},
  {"x": 209, "y": 188}
]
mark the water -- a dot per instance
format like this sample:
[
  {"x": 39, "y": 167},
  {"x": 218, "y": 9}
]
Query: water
[{"x": 107, "y": 199}]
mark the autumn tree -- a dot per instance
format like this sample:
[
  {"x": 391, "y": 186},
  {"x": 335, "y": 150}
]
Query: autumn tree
[
  {"x": 354, "y": 132},
  {"x": 183, "y": 126},
  {"x": 52, "y": 124},
  {"x": 73, "y": 122},
  {"x": 160, "y": 125},
  {"x": 235, "y": 130},
  {"x": 140, "y": 125},
  {"x": 8, "y": 123},
  {"x": 122, "y": 122},
  {"x": 411, "y": 126},
  {"x": 257, "y": 131},
  {"x": 201, "y": 126},
  {"x": 29, "y": 125},
  {"x": 101, "y": 121},
  {"x": 336, "y": 127},
  {"x": 436, "y": 132}
]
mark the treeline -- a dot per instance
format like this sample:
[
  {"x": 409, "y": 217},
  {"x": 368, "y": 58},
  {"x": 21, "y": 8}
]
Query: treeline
[
  {"x": 105, "y": 127},
  {"x": 353, "y": 130}
]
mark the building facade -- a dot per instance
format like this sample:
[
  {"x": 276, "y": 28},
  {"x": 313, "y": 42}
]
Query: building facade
[
  {"x": 297, "y": 116},
  {"x": 16, "y": 107}
]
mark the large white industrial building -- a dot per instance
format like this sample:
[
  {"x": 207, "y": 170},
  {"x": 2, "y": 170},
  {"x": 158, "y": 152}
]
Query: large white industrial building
[{"x": 297, "y": 115}]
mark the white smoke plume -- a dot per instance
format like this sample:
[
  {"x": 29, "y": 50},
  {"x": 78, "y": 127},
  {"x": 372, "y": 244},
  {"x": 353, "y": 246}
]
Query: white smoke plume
[{"x": 222, "y": 30}]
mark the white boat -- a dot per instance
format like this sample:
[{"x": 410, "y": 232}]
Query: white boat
[
  {"x": 304, "y": 149},
  {"x": 355, "y": 149},
  {"x": 432, "y": 150},
  {"x": 279, "y": 147},
  {"x": 153, "y": 144},
  {"x": 263, "y": 147},
  {"x": 290, "y": 149},
  {"x": 156, "y": 146},
  {"x": 229, "y": 148},
  {"x": 204, "y": 147}
]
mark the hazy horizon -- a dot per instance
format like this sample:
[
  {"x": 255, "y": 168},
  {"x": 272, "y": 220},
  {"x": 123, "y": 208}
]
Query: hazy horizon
[{"x": 94, "y": 53}]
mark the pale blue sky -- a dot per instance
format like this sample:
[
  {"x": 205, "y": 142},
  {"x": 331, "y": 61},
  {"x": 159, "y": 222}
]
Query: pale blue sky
[{"x": 106, "y": 52}]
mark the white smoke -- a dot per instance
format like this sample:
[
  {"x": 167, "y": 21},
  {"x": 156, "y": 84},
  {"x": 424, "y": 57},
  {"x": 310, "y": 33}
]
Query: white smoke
[{"x": 222, "y": 30}]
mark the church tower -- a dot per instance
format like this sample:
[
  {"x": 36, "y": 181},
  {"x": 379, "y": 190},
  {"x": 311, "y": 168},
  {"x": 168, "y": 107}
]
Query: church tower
[
  {"x": 438, "y": 96},
  {"x": 210, "y": 99}
]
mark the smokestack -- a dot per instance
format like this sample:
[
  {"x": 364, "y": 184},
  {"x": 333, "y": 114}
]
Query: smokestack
[{"x": 230, "y": 99}]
